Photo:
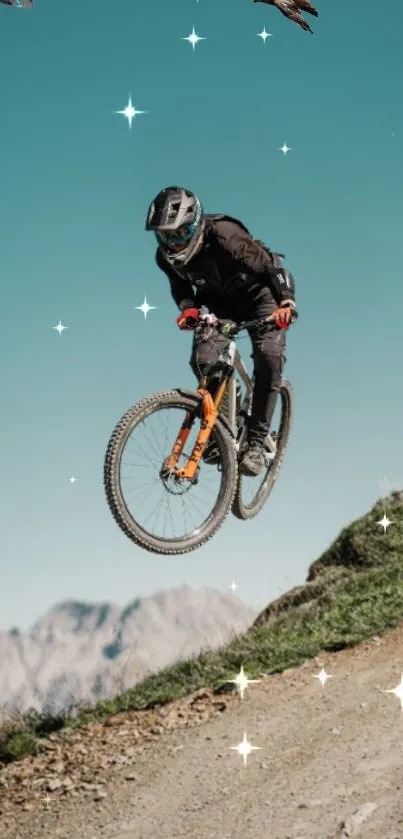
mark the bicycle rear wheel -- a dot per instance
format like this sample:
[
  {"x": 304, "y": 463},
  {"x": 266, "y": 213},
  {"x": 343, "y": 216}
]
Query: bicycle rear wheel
[
  {"x": 244, "y": 506},
  {"x": 160, "y": 498}
]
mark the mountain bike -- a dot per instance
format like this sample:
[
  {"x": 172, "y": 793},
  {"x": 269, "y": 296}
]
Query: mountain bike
[{"x": 176, "y": 490}]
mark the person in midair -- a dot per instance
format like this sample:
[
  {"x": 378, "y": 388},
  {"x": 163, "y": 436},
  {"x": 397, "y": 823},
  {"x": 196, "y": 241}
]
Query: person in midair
[{"x": 213, "y": 261}]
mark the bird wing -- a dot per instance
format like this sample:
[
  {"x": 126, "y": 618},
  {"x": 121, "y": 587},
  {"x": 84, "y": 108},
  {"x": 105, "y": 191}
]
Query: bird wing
[
  {"x": 307, "y": 6},
  {"x": 290, "y": 9},
  {"x": 18, "y": 4}
]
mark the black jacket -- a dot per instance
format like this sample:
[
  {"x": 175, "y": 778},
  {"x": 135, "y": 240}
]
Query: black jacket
[{"x": 231, "y": 266}]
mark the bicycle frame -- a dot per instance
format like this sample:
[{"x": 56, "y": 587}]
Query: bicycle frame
[
  {"x": 239, "y": 367},
  {"x": 230, "y": 361},
  {"x": 229, "y": 358}
]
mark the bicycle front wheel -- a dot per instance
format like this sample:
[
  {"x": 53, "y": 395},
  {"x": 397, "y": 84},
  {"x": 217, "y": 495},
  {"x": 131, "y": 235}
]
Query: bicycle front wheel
[{"x": 157, "y": 511}]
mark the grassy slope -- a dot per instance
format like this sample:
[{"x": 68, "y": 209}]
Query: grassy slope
[{"x": 353, "y": 591}]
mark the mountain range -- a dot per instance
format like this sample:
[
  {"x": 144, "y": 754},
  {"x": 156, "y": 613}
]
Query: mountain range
[{"x": 80, "y": 652}]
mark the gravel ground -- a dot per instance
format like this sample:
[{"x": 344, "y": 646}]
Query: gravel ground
[{"x": 329, "y": 766}]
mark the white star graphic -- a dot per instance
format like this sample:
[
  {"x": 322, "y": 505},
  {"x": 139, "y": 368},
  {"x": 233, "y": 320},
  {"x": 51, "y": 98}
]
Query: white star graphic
[
  {"x": 242, "y": 682},
  {"x": 193, "y": 38},
  {"x": 244, "y": 748},
  {"x": 263, "y": 35},
  {"x": 72, "y": 480},
  {"x": 145, "y": 308},
  {"x": 323, "y": 677},
  {"x": 384, "y": 522},
  {"x": 398, "y": 691},
  {"x": 284, "y": 148},
  {"x": 233, "y": 586},
  {"x": 130, "y": 112},
  {"x": 60, "y": 328}
]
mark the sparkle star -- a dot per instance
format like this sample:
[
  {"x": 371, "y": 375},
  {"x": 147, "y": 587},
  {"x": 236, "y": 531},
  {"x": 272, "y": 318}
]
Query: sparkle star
[
  {"x": 145, "y": 308},
  {"x": 284, "y": 148},
  {"x": 193, "y": 38},
  {"x": 72, "y": 480},
  {"x": 242, "y": 682},
  {"x": 130, "y": 112},
  {"x": 233, "y": 585},
  {"x": 323, "y": 677},
  {"x": 60, "y": 328},
  {"x": 263, "y": 35},
  {"x": 244, "y": 748},
  {"x": 398, "y": 691},
  {"x": 384, "y": 522}
]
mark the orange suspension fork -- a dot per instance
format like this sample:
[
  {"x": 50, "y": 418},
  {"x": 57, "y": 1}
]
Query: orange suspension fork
[
  {"x": 209, "y": 414},
  {"x": 210, "y": 408},
  {"x": 180, "y": 441}
]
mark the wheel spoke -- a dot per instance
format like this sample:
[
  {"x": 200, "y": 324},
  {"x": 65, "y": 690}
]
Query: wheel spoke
[{"x": 155, "y": 450}]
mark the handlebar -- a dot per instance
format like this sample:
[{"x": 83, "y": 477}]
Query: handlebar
[{"x": 229, "y": 328}]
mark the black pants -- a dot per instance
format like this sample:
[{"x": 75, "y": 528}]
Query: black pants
[{"x": 268, "y": 355}]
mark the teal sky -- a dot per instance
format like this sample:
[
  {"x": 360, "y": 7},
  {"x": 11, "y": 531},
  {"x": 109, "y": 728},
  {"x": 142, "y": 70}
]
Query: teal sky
[{"x": 75, "y": 187}]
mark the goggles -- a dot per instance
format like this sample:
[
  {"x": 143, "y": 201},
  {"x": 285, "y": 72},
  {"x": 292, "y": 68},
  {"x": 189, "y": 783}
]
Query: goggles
[{"x": 173, "y": 238}]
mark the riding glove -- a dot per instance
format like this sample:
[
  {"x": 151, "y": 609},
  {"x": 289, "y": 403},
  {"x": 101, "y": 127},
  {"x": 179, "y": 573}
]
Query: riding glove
[
  {"x": 284, "y": 316},
  {"x": 188, "y": 319}
]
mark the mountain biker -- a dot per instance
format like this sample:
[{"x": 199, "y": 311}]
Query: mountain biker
[{"x": 213, "y": 261}]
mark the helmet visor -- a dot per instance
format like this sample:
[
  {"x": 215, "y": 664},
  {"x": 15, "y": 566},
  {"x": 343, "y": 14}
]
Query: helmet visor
[{"x": 176, "y": 239}]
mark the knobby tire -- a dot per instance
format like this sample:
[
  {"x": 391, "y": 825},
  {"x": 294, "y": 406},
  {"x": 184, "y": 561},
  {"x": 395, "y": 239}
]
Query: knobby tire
[
  {"x": 249, "y": 511},
  {"x": 188, "y": 401}
]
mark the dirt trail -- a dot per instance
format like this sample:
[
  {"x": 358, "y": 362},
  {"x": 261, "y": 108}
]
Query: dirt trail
[{"x": 326, "y": 752}]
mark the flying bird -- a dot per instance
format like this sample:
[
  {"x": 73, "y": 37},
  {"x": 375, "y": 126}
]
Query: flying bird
[
  {"x": 20, "y": 4},
  {"x": 291, "y": 9}
]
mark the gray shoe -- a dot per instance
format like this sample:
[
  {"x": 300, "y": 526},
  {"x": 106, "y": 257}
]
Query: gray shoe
[{"x": 253, "y": 461}]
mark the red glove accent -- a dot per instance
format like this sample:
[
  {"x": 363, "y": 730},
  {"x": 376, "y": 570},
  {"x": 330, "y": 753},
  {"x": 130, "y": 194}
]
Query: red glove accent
[
  {"x": 188, "y": 319},
  {"x": 283, "y": 317}
]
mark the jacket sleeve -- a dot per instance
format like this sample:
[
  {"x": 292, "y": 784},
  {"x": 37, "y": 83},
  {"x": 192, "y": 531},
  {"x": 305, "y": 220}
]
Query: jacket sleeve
[
  {"x": 251, "y": 258},
  {"x": 181, "y": 290}
]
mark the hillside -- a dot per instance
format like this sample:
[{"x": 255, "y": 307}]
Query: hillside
[{"x": 329, "y": 764}]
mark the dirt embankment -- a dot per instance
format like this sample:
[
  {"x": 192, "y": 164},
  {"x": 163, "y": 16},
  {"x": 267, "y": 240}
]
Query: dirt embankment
[{"x": 329, "y": 763}]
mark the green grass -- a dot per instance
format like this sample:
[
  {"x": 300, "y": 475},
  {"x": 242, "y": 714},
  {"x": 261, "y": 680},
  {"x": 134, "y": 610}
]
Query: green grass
[{"x": 353, "y": 591}]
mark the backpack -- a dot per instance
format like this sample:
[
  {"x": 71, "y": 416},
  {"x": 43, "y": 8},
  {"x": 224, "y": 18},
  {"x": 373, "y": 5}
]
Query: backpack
[{"x": 277, "y": 258}]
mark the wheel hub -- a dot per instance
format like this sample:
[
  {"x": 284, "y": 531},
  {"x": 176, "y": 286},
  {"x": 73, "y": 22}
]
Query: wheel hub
[{"x": 175, "y": 485}]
